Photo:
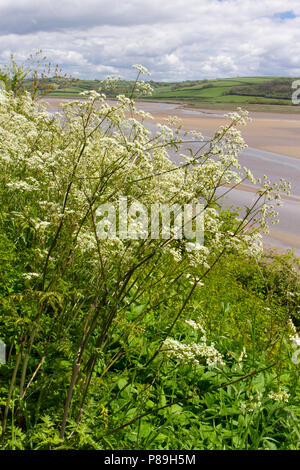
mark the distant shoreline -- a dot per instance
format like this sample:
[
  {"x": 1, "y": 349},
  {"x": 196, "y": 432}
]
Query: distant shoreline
[
  {"x": 259, "y": 108},
  {"x": 272, "y": 132},
  {"x": 205, "y": 105}
]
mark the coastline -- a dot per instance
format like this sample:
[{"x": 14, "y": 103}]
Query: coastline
[
  {"x": 276, "y": 133},
  {"x": 269, "y": 132}
]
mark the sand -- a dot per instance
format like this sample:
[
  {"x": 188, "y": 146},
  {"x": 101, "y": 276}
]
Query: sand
[{"x": 277, "y": 133}]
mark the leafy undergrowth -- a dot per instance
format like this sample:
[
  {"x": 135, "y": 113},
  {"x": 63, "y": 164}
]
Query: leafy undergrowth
[{"x": 247, "y": 399}]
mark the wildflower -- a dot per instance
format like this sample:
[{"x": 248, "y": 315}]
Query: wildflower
[
  {"x": 196, "y": 326},
  {"x": 193, "y": 352},
  {"x": 242, "y": 355},
  {"x": 279, "y": 396},
  {"x": 141, "y": 69},
  {"x": 29, "y": 276},
  {"x": 255, "y": 403}
]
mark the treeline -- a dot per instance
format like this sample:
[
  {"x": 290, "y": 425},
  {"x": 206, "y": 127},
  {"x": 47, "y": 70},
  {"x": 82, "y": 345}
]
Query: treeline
[{"x": 278, "y": 89}]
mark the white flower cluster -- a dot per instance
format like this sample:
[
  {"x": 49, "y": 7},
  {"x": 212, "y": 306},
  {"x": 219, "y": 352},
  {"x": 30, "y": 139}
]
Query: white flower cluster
[
  {"x": 280, "y": 395},
  {"x": 143, "y": 88},
  {"x": 239, "y": 358},
  {"x": 30, "y": 276},
  {"x": 22, "y": 186},
  {"x": 174, "y": 121},
  {"x": 141, "y": 69},
  {"x": 240, "y": 117},
  {"x": 86, "y": 242},
  {"x": 242, "y": 355},
  {"x": 294, "y": 337},
  {"x": 196, "y": 326},
  {"x": 253, "y": 404},
  {"x": 192, "y": 353}
]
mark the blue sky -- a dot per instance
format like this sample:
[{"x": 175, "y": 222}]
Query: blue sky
[
  {"x": 174, "y": 39},
  {"x": 285, "y": 15}
]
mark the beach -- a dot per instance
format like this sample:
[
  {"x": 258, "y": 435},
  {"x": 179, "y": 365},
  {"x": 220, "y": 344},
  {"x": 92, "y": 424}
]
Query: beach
[
  {"x": 276, "y": 133},
  {"x": 272, "y": 132}
]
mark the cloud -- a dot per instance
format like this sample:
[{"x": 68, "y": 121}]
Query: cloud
[{"x": 174, "y": 39}]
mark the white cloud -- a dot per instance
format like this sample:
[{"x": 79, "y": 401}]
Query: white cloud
[{"x": 174, "y": 39}]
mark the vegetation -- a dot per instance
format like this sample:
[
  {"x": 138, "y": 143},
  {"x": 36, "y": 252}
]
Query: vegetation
[
  {"x": 138, "y": 342},
  {"x": 279, "y": 89},
  {"x": 273, "y": 93},
  {"x": 32, "y": 76}
]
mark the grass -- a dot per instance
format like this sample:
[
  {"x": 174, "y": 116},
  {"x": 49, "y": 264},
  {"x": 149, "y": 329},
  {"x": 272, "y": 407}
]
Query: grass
[{"x": 223, "y": 93}]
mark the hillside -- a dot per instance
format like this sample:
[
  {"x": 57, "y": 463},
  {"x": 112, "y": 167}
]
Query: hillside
[{"x": 248, "y": 91}]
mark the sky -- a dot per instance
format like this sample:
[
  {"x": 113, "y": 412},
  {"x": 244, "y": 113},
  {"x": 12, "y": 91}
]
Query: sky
[{"x": 174, "y": 39}]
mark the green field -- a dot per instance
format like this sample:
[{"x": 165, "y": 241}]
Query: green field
[
  {"x": 257, "y": 93},
  {"x": 248, "y": 90}
]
